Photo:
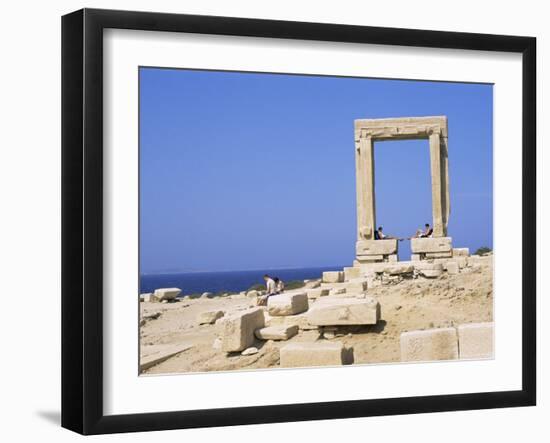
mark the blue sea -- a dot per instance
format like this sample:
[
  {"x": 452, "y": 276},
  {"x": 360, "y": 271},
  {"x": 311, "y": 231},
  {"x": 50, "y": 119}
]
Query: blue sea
[{"x": 228, "y": 281}]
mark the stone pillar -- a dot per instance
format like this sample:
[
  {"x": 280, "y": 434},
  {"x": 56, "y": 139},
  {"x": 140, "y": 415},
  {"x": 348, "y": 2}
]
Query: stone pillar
[
  {"x": 445, "y": 181},
  {"x": 437, "y": 186},
  {"x": 366, "y": 219}
]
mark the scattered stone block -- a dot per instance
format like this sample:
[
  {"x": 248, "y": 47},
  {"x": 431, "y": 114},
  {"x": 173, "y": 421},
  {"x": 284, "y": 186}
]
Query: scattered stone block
[
  {"x": 461, "y": 261},
  {"x": 333, "y": 277},
  {"x": 351, "y": 273},
  {"x": 461, "y": 252},
  {"x": 475, "y": 340},
  {"x": 316, "y": 293},
  {"x": 428, "y": 345},
  {"x": 415, "y": 257},
  {"x": 253, "y": 294},
  {"x": 299, "y": 320},
  {"x": 337, "y": 291},
  {"x": 429, "y": 270},
  {"x": 359, "y": 285},
  {"x": 207, "y": 295},
  {"x": 159, "y": 354},
  {"x": 287, "y": 304},
  {"x": 376, "y": 247},
  {"x": 150, "y": 298},
  {"x": 344, "y": 311},
  {"x": 312, "y": 284},
  {"x": 429, "y": 245},
  {"x": 392, "y": 258},
  {"x": 295, "y": 355},
  {"x": 250, "y": 351},
  {"x": 399, "y": 269},
  {"x": 239, "y": 329},
  {"x": 430, "y": 255},
  {"x": 209, "y": 317},
  {"x": 167, "y": 293},
  {"x": 277, "y": 332},
  {"x": 452, "y": 267}
]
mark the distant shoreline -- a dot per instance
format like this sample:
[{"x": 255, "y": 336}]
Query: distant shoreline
[{"x": 226, "y": 281}]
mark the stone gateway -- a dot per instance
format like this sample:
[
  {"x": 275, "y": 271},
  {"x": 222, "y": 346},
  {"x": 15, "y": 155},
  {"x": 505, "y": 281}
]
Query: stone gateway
[{"x": 367, "y": 131}]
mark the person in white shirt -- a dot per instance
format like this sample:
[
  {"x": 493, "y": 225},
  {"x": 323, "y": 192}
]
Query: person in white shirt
[{"x": 271, "y": 289}]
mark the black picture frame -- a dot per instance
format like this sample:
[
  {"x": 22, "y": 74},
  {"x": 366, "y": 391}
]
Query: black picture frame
[{"x": 82, "y": 216}]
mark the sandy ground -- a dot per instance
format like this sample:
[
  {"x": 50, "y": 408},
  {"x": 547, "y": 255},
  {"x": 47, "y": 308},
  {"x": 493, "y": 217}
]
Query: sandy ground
[{"x": 411, "y": 304}]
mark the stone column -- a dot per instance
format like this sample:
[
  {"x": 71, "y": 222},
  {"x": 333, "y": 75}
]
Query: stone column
[
  {"x": 445, "y": 180},
  {"x": 364, "y": 156},
  {"x": 437, "y": 203}
]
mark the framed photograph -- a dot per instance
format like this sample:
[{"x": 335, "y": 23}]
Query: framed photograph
[{"x": 269, "y": 221}]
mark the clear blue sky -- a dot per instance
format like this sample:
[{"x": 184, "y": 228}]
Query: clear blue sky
[{"x": 250, "y": 171}]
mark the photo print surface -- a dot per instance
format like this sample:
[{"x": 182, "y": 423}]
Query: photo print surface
[{"x": 293, "y": 221}]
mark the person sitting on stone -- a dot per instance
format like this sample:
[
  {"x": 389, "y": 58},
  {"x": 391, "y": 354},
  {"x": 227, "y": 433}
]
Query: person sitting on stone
[
  {"x": 379, "y": 235},
  {"x": 279, "y": 285},
  {"x": 270, "y": 290},
  {"x": 428, "y": 231}
]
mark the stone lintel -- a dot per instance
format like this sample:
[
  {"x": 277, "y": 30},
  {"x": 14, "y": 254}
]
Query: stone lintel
[{"x": 400, "y": 128}]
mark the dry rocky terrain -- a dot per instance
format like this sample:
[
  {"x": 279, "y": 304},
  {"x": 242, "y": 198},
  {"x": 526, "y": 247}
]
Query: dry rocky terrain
[{"x": 406, "y": 303}]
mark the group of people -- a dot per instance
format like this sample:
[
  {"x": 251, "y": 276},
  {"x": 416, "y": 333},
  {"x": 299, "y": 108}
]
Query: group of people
[
  {"x": 420, "y": 233},
  {"x": 273, "y": 286}
]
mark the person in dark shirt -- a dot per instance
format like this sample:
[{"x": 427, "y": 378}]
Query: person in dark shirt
[{"x": 428, "y": 231}]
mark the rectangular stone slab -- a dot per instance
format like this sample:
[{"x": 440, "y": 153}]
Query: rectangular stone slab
[
  {"x": 318, "y": 292},
  {"x": 438, "y": 244},
  {"x": 376, "y": 247},
  {"x": 429, "y": 255},
  {"x": 287, "y": 304},
  {"x": 351, "y": 272},
  {"x": 282, "y": 332},
  {"x": 238, "y": 329},
  {"x": 330, "y": 311},
  {"x": 295, "y": 355},
  {"x": 167, "y": 293},
  {"x": 333, "y": 276},
  {"x": 359, "y": 285},
  {"x": 475, "y": 340},
  {"x": 429, "y": 345},
  {"x": 461, "y": 252}
]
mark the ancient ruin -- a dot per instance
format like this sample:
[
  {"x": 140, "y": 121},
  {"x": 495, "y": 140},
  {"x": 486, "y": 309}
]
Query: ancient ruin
[
  {"x": 435, "y": 306},
  {"x": 367, "y": 131}
]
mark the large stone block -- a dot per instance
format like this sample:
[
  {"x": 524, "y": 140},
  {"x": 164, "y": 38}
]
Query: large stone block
[
  {"x": 398, "y": 269},
  {"x": 282, "y": 332},
  {"x": 452, "y": 267},
  {"x": 431, "y": 344},
  {"x": 330, "y": 311},
  {"x": 238, "y": 333},
  {"x": 429, "y": 270},
  {"x": 475, "y": 340},
  {"x": 352, "y": 272},
  {"x": 318, "y": 292},
  {"x": 209, "y": 317},
  {"x": 376, "y": 247},
  {"x": 295, "y": 355},
  {"x": 149, "y": 298},
  {"x": 428, "y": 245},
  {"x": 167, "y": 293},
  {"x": 287, "y": 304},
  {"x": 461, "y": 252},
  {"x": 359, "y": 285},
  {"x": 430, "y": 255},
  {"x": 333, "y": 277}
]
